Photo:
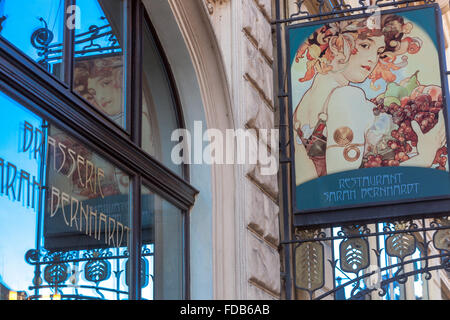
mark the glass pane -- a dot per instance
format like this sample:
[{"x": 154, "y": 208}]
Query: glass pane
[
  {"x": 88, "y": 216},
  {"x": 162, "y": 249},
  {"x": 37, "y": 28},
  {"x": 99, "y": 66},
  {"x": 159, "y": 117},
  {"x": 18, "y": 210},
  {"x": 64, "y": 214}
]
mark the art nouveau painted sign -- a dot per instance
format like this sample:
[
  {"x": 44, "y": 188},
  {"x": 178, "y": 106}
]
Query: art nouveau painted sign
[{"x": 368, "y": 110}]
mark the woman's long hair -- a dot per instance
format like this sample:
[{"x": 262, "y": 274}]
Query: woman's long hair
[{"x": 337, "y": 40}]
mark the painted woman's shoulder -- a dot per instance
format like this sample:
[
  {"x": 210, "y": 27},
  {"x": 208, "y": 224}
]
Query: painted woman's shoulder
[
  {"x": 350, "y": 92},
  {"x": 349, "y": 98}
]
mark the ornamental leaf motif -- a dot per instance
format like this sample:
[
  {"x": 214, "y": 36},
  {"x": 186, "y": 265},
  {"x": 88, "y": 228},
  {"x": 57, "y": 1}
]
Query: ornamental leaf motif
[
  {"x": 400, "y": 245},
  {"x": 354, "y": 255},
  {"x": 97, "y": 270},
  {"x": 145, "y": 276},
  {"x": 309, "y": 268},
  {"x": 56, "y": 273},
  {"x": 441, "y": 239}
]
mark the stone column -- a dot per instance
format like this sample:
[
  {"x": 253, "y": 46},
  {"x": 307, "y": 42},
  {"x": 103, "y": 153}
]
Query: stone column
[{"x": 244, "y": 33}]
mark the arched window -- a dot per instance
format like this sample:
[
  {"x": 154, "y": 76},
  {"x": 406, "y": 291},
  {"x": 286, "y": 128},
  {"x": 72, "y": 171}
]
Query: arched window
[{"x": 89, "y": 194}]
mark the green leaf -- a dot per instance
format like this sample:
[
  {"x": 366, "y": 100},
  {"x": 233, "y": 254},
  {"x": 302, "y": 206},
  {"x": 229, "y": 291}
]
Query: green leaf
[
  {"x": 395, "y": 90},
  {"x": 389, "y": 100},
  {"x": 411, "y": 84}
]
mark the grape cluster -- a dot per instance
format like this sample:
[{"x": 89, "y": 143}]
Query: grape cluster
[
  {"x": 373, "y": 161},
  {"x": 424, "y": 111}
]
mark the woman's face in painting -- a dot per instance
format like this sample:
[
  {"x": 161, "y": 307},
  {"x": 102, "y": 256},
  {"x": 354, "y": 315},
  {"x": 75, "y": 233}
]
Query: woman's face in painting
[
  {"x": 108, "y": 93},
  {"x": 363, "y": 59}
]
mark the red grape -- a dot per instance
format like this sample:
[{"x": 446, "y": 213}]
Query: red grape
[{"x": 403, "y": 140}]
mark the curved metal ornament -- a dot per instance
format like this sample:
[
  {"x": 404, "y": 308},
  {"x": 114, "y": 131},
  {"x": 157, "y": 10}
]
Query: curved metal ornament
[
  {"x": 32, "y": 256},
  {"x": 41, "y": 38}
]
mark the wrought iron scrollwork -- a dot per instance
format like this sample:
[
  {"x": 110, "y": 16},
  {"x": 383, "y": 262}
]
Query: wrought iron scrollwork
[
  {"x": 369, "y": 260},
  {"x": 56, "y": 271},
  {"x": 82, "y": 270},
  {"x": 326, "y": 9},
  {"x": 300, "y": 12},
  {"x": 98, "y": 39},
  {"x": 41, "y": 39}
]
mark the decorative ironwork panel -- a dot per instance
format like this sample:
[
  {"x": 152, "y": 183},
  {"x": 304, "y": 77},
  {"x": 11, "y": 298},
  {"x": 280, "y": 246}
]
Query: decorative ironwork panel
[
  {"x": 441, "y": 238},
  {"x": 309, "y": 263},
  {"x": 400, "y": 245},
  {"x": 372, "y": 261},
  {"x": 97, "y": 270},
  {"x": 354, "y": 252},
  {"x": 83, "y": 274}
]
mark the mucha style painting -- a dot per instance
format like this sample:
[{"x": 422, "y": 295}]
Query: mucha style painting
[
  {"x": 368, "y": 110},
  {"x": 99, "y": 79}
]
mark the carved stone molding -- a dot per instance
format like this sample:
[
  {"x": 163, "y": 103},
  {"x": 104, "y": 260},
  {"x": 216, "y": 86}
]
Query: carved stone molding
[{"x": 210, "y": 4}]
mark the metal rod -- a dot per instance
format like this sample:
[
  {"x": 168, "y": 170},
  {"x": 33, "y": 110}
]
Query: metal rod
[
  {"x": 367, "y": 234},
  {"x": 340, "y": 12},
  {"x": 392, "y": 279},
  {"x": 283, "y": 155}
]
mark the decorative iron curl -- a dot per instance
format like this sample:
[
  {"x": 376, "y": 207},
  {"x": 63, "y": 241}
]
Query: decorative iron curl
[
  {"x": 354, "y": 230},
  {"x": 446, "y": 264},
  {"x": 427, "y": 275},
  {"x": 58, "y": 256},
  {"x": 94, "y": 30},
  {"x": 299, "y": 5},
  {"x": 42, "y": 37},
  {"x": 32, "y": 256}
]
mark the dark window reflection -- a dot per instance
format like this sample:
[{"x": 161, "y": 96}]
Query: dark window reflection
[
  {"x": 37, "y": 28},
  {"x": 99, "y": 66}
]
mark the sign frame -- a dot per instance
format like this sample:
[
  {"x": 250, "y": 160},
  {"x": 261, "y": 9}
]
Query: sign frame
[{"x": 370, "y": 211}]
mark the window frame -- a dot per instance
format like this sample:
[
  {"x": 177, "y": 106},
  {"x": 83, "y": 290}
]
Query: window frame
[{"x": 42, "y": 93}]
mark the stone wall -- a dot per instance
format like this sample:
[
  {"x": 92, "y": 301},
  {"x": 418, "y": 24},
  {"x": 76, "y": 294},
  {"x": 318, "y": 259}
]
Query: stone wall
[
  {"x": 245, "y": 35},
  {"x": 261, "y": 213}
]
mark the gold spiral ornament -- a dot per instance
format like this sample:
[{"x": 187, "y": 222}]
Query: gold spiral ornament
[
  {"x": 347, "y": 151},
  {"x": 343, "y": 136}
]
